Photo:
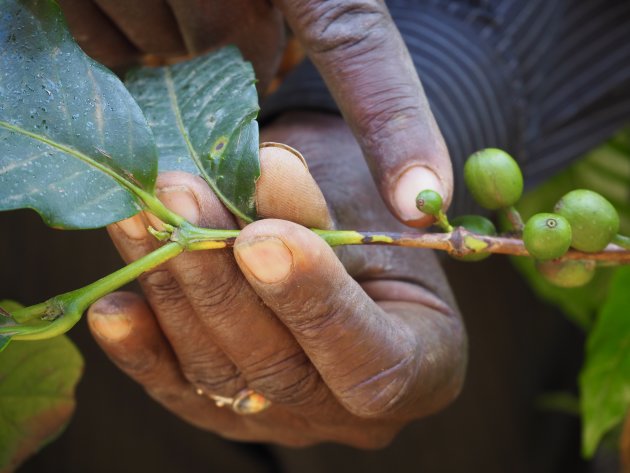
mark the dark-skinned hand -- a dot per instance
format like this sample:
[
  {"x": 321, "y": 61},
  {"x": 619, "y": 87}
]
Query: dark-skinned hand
[
  {"x": 349, "y": 346},
  {"x": 354, "y": 44}
]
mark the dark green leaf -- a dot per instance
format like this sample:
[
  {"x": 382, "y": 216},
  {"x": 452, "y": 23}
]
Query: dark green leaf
[
  {"x": 202, "y": 113},
  {"x": 605, "y": 378},
  {"x": 73, "y": 143},
  {"x": 37, "y": 383}
]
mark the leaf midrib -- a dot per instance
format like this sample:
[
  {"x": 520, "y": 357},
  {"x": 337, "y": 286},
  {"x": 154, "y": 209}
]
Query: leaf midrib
[
  {"x": 174, "y": 101},
  {"x": 135, "y": 190}
]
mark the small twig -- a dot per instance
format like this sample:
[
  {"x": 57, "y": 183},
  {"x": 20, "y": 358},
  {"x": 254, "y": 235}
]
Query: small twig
[
  {"x": 514, "y": 217},
  {"x": 459, "y": 242}
]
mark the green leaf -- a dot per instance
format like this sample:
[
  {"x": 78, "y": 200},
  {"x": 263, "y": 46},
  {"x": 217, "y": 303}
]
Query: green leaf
[
  {"x": 202, "y": 113},
  {"x": 37, "y": 383},
  {"x": 74, "y": 145},
  {"x": 605, "y": 378}
]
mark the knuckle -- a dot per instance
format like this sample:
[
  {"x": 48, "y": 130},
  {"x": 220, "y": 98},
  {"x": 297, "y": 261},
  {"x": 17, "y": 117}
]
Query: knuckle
[
  {"x": 141, "y": 365},
  {"x": 161, "y": 286},
  {"x": 382, "y": 393},
  {"x": 388, "y": 111},
  {"x": 289, "y": 380},
  {"x": 223, "y": 379},
  {"x": 219, "y": 301},
  {"x": 316, "y": 314},
  {"x": 343, "y": 25}
]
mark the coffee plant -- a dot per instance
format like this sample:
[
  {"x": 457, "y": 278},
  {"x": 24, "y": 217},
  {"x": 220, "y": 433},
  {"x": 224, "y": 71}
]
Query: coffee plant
[{"x": 83, "y": 149}]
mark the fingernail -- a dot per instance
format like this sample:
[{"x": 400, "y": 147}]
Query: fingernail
[
  {"x": 413, "y": 181},
  {"x": 111, "y": 327},
  {"x": 133, "y": 227},
  {"x": 181, "y": 201},
  {"x": 270, "y": 149},
  {"x": 268, "y": 259}
]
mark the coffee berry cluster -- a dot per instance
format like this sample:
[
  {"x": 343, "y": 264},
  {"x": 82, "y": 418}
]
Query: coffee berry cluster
[{"x": 581, "y": 219}]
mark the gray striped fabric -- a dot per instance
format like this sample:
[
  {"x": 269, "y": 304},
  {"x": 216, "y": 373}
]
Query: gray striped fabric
[{"x": 546, "y": 80}]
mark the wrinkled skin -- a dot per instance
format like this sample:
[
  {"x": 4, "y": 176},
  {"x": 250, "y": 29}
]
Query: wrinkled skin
[
  {"x": 354, "y": 44},
  {"x": 349, "y": 347}
]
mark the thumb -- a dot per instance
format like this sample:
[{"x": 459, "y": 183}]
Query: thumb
[{"x": 286, "y": 190}]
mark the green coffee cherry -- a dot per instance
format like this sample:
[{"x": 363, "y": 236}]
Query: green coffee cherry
[
  {"x": 493, "y": 178},
  {"x": 594, "y": 221},
  {"x": 476, "y": 224},
  {"x": 429, "y": 202},
  {"x": 570, "y": 273},
  {"x": 547, "y": 236}
]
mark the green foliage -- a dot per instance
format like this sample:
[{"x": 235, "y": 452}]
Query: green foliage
[
  {"x": 76, "y": 147},
  {"x": 202, "y": 113},
  {"x": 37, "y": 383},
  {"x": 602, "y": 306},
  {"x": 73, "y": 142},
  {"x": 605, "y": 379}
]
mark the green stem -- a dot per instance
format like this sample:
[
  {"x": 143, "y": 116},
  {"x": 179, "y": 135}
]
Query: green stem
[
  {"x": 157, "y": 208},
  {"x": 621, "y": 241},
  {"x": 66, "y": 309},
  {"x": 197, "y": 238},
  {"x": 443, "y": 223},
  {"x": 32, "y": 312},
  {"x": 91, "y": 293},
  {"x": 60, "y": 313},
  {"x": 513, "y": 216}
]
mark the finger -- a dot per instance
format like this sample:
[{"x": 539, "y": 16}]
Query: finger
[
  {"x": 267, "y": 356},
  {"x": 255, "y": 26},
  {"x": 287, "y": 190},
  {"x": 376, "y": 364},
  {"x": 124, "y": 327},
  {"x": 203, "y": 363},
  {"x": 363, "y": 59},
  {"x": 97, "y": 35},
  {"x": 149, "y": 24}
]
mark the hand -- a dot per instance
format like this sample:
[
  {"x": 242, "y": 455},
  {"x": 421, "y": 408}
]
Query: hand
[
  {"x": 354, "y": 44},
  {"x": 347, "y": 352}
]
